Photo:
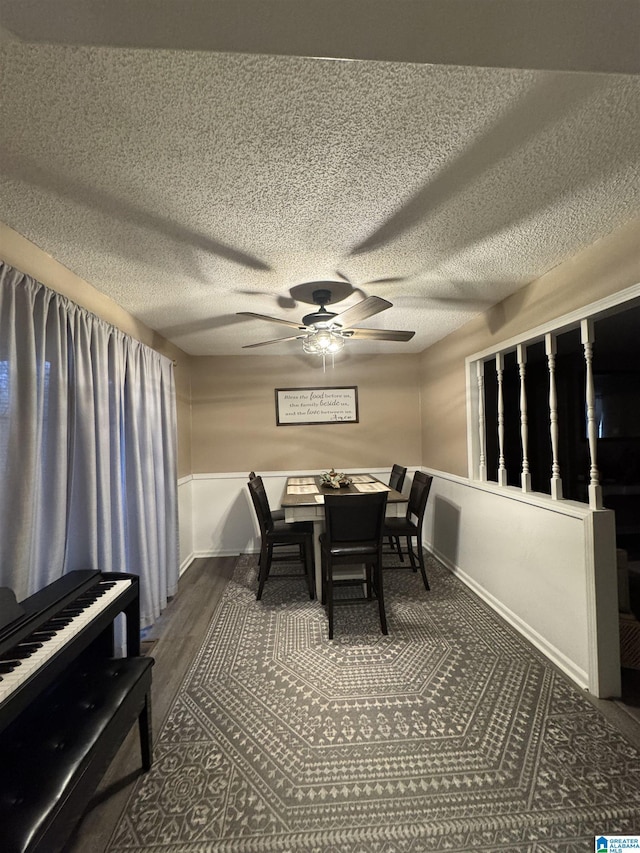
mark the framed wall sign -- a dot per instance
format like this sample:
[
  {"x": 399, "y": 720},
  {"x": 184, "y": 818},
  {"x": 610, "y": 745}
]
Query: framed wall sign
[{"x": 305, "y": 406}]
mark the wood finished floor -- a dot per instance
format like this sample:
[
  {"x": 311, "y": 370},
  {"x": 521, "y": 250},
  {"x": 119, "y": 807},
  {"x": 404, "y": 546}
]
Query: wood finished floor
[{"x": 178, "y": 636}]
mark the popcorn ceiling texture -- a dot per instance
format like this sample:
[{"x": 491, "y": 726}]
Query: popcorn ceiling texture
[{"x": 190, "y": 185}]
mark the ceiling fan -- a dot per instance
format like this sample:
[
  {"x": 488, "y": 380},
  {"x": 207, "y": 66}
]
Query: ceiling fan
[{"x": 324, "y": 332}]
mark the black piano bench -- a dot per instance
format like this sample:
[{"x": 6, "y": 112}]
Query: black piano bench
[{"x": 53, "y": 756}]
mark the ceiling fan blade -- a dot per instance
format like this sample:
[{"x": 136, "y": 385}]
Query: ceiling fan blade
[
  {"x": 378, "y": 334},
  {"x": 389, "y": 280},
  {"x": 386, "y": 280},
  {"x": 362, "y": 310},
  {"x": 289, "y": 323},
  {"x": 274, "y": 341}
]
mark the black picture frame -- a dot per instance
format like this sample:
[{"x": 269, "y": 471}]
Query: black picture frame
[{"x": 330, "y": 404}]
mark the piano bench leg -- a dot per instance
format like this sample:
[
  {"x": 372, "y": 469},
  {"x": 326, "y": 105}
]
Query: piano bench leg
[{"x": 146, "y": 739}]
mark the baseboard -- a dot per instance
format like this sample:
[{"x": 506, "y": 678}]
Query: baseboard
[
  {"x": 224, "y": 552},
  {"x": 575, "y": 673},
  {"x": 196, "y": 555},
  {"x": 184, "y": 565}
]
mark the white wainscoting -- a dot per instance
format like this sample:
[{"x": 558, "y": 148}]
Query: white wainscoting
[
  {"x": 223, "y": 521},
  {"x": 548, "y": 567}
]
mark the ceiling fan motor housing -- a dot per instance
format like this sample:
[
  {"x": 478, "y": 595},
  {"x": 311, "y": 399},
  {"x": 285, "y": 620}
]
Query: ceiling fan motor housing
[
  {"x": 322, "y": 296},
  {"x": 324, "y": 317}
]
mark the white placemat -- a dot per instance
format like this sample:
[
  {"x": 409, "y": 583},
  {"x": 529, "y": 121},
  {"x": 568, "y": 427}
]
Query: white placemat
[{"x": 371, "y": 487}]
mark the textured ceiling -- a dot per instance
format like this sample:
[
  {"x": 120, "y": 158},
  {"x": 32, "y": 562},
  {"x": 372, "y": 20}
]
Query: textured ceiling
[{"x": 190, "y": 184}]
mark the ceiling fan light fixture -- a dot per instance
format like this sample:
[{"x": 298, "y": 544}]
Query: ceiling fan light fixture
[{"x": 322, "y": 342}]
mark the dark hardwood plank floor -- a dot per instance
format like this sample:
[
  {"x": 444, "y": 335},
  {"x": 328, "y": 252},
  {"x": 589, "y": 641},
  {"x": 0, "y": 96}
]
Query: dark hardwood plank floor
[{"x": 178, "y": 635}]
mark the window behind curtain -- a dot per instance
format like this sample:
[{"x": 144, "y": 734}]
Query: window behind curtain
[{"x": 87, "y": 446}]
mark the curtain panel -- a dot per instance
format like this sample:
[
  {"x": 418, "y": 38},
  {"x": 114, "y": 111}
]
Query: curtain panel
[{"x": 87, "y": 448}]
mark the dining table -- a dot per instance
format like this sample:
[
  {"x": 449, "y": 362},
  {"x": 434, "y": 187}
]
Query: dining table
[{"x": 303, "y": 500}]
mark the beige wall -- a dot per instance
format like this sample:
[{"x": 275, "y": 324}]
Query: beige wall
[
  {"x": 233, "y": 414},
  {"x": 29, "y": 259},
  {"x": 608, "y": 266}
]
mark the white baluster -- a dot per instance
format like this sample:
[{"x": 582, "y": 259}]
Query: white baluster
[
  {"x": 524, "y": 419},
  {"x": 595, "y": 489},
  {"x": 502, "y": 471},
  {"x": 482, "y": 458},
  {"x": 556, "y": 482}
]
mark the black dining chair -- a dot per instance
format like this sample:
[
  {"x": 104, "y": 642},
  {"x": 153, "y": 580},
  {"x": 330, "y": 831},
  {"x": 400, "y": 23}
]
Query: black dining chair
[
  {"x": 276, "y": 514},
  {"x": 396, "y": 481},
  {"x": 410, "y": 526},
  {"x": 353, "y": 535},
  {"x": 279, "y": 533}
]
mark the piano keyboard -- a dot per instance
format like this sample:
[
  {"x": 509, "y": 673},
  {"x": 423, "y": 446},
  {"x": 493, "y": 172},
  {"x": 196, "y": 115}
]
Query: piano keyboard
[{"x": 18, "y": 664}]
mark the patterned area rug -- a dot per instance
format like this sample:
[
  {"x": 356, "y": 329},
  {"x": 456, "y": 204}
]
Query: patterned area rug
[{"x": 448, "y": 734}]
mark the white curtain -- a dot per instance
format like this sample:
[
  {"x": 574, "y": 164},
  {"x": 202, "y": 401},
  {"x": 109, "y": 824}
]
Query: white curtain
[{"x": 87, "y": 448}]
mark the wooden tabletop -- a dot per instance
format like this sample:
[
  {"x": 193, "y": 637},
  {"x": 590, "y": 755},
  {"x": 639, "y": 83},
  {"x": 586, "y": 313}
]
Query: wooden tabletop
[{"x": 309, "y": 499}]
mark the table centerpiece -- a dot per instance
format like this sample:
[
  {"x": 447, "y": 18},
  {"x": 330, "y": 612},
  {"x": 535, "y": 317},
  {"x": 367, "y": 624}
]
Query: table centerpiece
[{"x": 334, "y": 480}]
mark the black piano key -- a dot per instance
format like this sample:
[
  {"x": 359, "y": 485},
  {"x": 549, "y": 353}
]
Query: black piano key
[
  {"x": 16, "y": 653},
  {"x": 28, "y": 648}
]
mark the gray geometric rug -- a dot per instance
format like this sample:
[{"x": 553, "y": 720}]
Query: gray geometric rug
[{"x": 450, "y": 733}]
